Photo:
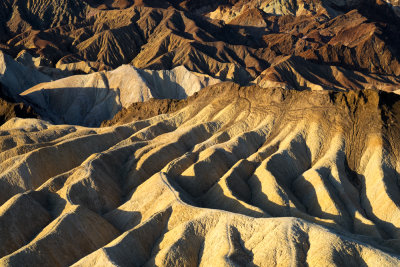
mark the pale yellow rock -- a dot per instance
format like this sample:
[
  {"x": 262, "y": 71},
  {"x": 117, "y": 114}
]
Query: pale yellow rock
[{"x": 242, "y": 176}]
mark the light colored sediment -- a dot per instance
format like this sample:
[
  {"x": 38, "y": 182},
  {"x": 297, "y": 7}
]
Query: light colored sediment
[
  {"x": 243, "y": 175},
  {"x": 90, "y": 99}
]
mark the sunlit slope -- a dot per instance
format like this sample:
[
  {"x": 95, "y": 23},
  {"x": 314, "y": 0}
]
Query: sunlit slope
[{"x": 242, "y": 175}]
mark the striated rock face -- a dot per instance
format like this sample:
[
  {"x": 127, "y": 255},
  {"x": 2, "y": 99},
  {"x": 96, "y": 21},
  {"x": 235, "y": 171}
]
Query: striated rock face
[
  {"x": 242, "y": 175},
  {"x": 229, "y": 12},
  {"x": 90, "y": 99},
  {"x": 17, "y": 16},
  {"x": 295, "y": 73},
  {"x": 229, "y": 40}
]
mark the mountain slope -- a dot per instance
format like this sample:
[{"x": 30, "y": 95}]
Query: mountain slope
[
  {"x": 18, "y": 16},
  {"x": 299, "y": 74},
  {"x": 163, "y": 37},
  {"x": 90, "y": 99},
  {"x": 16, "y": 77}
]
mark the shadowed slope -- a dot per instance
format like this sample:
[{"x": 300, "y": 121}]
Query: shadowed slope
[
  {"x": 9, "y": 109},
  {"x": 90, "y": 99},
  {"x": 16, "y": 77},
  {"x": 299, "y": 74}
]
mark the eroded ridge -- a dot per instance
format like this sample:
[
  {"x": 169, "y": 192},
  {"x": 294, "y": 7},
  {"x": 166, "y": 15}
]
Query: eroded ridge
[{"x": 243, "y": 175}]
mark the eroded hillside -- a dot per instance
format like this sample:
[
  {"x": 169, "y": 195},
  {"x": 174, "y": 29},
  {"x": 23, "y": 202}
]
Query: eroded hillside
[
  {"x": 233, "y": 133},
  {"x": 237, "y": 45},
  {"x": 242, "y": 175}
]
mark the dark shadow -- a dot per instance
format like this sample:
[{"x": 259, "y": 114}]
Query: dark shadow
[
  {"x": 227, "y": 204},
  {"x": 158, "y": 85},
  {"x": 386, "y": 229},
  {"x": 37, "y": 220},
  {"x": 332, "y": 192},
  {"x": 211, "y": 31},
  {"x": 123, "y": 220},
  {"x": 86, "y": 106},
  {"x": 383, "y": 15},
  {"x": 240, "y": 255},
  {"x": 322, "y": 74},
  {"x": 348, "y": 256},
  {"x": 8, "y": 191},
  {"x": 52, "y": 202},
  {"x": 132, "y": 249},
  {"x": 286, "y": 211},
  {"x": 9, "y": 110}
]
